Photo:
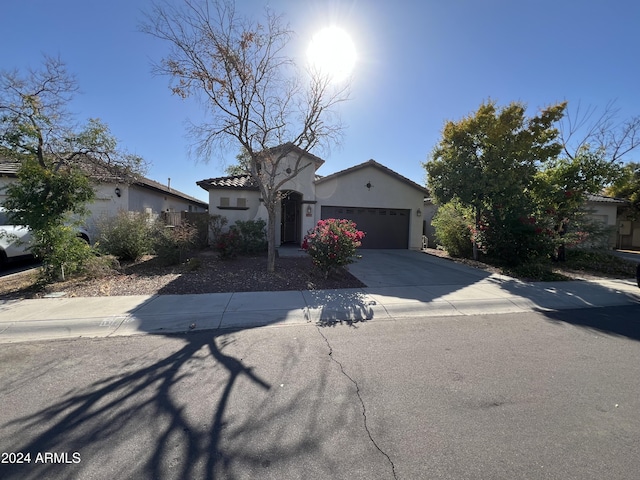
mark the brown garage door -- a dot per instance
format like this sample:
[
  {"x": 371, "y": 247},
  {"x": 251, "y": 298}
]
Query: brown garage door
[{"x": 384, "y": 227}]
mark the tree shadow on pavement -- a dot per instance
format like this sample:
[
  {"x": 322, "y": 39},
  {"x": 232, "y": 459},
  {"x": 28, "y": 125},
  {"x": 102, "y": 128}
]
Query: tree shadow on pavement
[
  {"x": 330, "y": 308},
  {"x": 622, "y": 321},
  {"x": 145, "y": 421}
]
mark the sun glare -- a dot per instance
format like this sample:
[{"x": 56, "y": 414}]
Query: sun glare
[{"x": 332, "y": 53}]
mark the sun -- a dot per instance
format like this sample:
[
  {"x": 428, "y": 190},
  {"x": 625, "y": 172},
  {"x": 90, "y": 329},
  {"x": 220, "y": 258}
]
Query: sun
[{"x": 332, "y": 53}]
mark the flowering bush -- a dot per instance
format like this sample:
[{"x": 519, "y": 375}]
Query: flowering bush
[
  {"x": 228, "y": 244},
  {"x": 332, "y": 243}
]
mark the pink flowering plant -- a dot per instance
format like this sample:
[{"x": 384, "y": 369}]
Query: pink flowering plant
[{"x": 332, "y": 244}]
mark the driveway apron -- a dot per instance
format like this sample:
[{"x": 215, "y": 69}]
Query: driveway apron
[{"x": 394, "y": 268}]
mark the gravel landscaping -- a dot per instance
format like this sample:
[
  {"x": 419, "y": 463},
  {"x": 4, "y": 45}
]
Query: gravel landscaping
[{"x": 204, "y": 273}]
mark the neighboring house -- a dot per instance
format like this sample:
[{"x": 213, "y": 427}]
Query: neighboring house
[
  {"x": 628, "y": 234},
  {"x": 144, "y": 195},
  {"x": 606, "y": 209},
  {"x": 385, "y": 205}
]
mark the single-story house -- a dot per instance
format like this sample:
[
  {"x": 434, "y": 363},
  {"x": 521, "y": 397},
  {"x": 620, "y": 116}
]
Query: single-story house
[
  {"x": 607, "y": 210},
  {"x": 384, "y": 204},
  {"x": 143, "y": 195}
]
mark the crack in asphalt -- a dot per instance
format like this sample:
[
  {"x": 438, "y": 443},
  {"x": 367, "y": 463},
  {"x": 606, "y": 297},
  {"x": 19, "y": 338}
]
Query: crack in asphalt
[{"x": 364, "y": 409}]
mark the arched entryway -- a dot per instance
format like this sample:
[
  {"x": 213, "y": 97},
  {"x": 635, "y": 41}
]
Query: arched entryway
[{"x": 290, "y": 225}]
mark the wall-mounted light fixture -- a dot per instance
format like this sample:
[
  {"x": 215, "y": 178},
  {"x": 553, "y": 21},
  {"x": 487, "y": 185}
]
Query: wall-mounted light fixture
[
  {"x": 368, "y": 185},
  {"x": 309, "y": 212},
  {"x": 118, "y": 192},
  {"x": 419, "y": 212}
]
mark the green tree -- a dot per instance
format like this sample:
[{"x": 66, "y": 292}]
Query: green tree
[
  {"x": 57, "y": 158},
  {"x": 255, "y": 96},
  {"x": 35, "y": 124},
  {"x": 488, "y": 162},
  {"x": 561, "y": 188},
  {"x": 627, "y": 186},
  {"x": 243, "y": 167},
  {"x": 44, "y": 199}
]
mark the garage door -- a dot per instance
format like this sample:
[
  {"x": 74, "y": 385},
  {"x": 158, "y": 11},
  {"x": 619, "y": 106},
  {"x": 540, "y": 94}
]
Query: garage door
[{"x": 384, "y": 227}]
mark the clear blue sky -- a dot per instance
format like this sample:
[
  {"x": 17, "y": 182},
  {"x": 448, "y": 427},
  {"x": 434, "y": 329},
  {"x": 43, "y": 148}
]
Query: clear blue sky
[{"x": 421, "y": 62}]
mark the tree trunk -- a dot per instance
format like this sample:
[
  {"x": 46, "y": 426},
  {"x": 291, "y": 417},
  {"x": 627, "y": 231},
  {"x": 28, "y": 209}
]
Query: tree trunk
[
  {"x": 271, "y": 239},
  {"x": 475, "y": 241}
]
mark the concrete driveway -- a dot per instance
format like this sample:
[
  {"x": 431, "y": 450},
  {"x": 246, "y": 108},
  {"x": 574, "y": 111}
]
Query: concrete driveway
[
  {"x": 628, "y": 255},
  {"x": 394, "y": 268}
]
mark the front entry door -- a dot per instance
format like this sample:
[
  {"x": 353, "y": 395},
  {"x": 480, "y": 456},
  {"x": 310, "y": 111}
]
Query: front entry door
[{"x": 290, "y": 230}]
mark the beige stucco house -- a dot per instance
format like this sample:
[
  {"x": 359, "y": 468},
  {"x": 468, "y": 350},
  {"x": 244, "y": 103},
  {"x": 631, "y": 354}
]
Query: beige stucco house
[
  {"x": 606, "y": 210},
  {"x": 384, "y": 204},
  {"x": 144, "y": 195}
]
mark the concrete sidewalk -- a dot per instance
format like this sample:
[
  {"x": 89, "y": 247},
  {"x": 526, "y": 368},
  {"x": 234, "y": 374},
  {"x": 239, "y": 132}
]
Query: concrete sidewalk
[{"x": 50, "y": 318}]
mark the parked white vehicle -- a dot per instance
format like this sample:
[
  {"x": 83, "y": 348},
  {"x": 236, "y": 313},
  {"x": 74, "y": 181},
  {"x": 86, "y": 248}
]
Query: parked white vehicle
[{"x": 15, "y": 240}]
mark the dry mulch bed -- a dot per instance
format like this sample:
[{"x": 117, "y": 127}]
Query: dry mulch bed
[
  {"x": 561, "y": 270},
  {"x": 466, "y": 261},
  {"x": 204, "y": 273}
]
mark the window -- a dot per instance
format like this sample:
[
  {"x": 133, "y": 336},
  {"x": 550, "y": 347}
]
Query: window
[
  {"x": 224, "y": 201},
  {"x": 241, "y": 202}
]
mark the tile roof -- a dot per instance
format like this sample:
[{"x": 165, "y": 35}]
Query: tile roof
[{"x": 238, "y": 182}]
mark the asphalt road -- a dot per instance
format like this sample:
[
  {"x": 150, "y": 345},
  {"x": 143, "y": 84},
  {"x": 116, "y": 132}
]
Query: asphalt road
[
  {"x": 527, "y": 396},
  {"x": 18, "y": 266}
]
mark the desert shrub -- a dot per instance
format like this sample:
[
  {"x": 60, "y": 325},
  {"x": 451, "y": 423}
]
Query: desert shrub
[
  {"x": 332, "y": 243},
  {"x": 243, "y": 238},
  {"x": 127, "y": 236},
  {"x": 62, "y": 252},
  {"x": 99, "y": 266},
  {"x": 216, "y": 225},
  {"x": 452, "y": 226},
  {"x": 228, "y": 244},
  {"x": 201, "y": 222},
  {"x": 172, "y": 243},
  {"x": 253, "y": 236}
]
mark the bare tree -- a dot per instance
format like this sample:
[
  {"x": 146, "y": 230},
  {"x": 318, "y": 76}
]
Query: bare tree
[
  {"x": 255, "y": 96},
  {"x": 35, "y": 123},
  {"x": 600, "y": 130}
]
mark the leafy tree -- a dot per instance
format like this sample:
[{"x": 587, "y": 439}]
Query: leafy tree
[
  {"x": 42, "y": 199},
  {"x": 242, "y": 167},
  {"x": 254, "y": 95},
  {"x": 57, "y": 158},
  {"x": 627, "y": 186},
  {"x": 35, "y": 124},
  {"x": 489, "y": 159},
  {"x": 561, "y": 188}
]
